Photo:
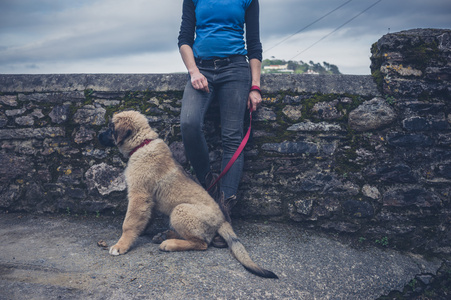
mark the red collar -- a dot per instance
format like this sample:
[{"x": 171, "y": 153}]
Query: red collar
[{"x": 139, "y": 146}]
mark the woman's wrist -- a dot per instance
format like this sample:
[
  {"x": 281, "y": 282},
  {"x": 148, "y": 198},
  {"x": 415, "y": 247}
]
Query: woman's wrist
[
  {"x": 256, "y": 88},
  {"x": 193, "y": 70}
]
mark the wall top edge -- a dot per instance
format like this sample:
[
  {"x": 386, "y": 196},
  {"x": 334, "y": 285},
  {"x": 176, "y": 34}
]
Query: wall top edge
[{"x": 271, "y": 83}]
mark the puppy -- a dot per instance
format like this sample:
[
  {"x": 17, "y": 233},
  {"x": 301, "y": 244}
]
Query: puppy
[{"x": 156, "y": 181}]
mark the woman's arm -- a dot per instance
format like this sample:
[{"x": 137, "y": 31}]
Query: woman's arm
[
  {"x": 254, "y": 52},
  {"x": 255, "y": 98},
  {"x": 252, "y": 19},
  {"x": 185, "y": 43},
  {"x": 198, "y": 80}
]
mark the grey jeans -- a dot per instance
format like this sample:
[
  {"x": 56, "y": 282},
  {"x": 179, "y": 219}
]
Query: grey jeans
[{"x": 229, "y": 83}]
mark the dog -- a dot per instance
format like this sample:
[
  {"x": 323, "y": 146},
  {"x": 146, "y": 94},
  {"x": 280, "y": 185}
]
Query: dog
[{"x": 156, "y": 181}]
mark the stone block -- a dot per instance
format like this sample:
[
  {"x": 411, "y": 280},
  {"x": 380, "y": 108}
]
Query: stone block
[
  {"x": 25, "y": 121},
  {"x": 29, "y": 133},
  {"x": 105, "y": 179},
  {"x": 310, "y": 126},
  {"x": 90, "y": 115},
  {"x": 55, "y": 97},
  {"x": 292, "y": 112},
  {"x": 371, "y": 191},
  {"x": 292, "y": 147},
  {"x": 327, "y": 110},
  {"x": 14, "y": 166},
  {"x": 264, "y": 114},
  {"x": 425, "y": 124},
  {"x": 83, "y": 134},
  {"x": 406, "y": 197},
  {"x": 399, "y": 173},
  {"x": 60, "y": 114},
  {"x": 409, "y": 140},
  {"x": 358, "y": 209},
  {"x": 371, "y": 115},
  {"x": 444, "y": 170},
  {"x": 9, "y": 100},
  {"x": 3, "y": 119}
]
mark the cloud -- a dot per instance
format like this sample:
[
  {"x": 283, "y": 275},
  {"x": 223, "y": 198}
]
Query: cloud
[
  {"x": 121, "y": 36},
  {"x": 93, "y": 29},
  {"x": 348, "y": 47},
  {"x": 288, "y": 16}
]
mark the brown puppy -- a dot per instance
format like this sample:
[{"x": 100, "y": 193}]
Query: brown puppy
[{"x": 155, "y": 180}]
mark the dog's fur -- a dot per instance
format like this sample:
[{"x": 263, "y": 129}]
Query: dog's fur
[{"x": 155, "y": 180}]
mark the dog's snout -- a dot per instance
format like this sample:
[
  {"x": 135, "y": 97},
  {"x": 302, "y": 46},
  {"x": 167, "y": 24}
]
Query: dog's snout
[{"x": 106, "y": 138}]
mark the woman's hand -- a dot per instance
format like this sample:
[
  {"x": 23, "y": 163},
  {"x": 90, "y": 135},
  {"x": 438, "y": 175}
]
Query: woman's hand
[
  {"x": 254, "y": 100},
  {"x": 199, "y": 82}
]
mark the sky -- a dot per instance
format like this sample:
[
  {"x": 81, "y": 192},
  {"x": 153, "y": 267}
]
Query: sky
[{"x": 140, "y": 36}]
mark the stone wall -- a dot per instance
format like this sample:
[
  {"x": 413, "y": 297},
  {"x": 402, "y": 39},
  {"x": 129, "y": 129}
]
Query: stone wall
[{"x": 368, "y": 156}]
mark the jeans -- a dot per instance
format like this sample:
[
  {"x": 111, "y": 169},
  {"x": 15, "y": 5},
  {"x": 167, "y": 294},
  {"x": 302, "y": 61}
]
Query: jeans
[{"x": 229, "y": 84}]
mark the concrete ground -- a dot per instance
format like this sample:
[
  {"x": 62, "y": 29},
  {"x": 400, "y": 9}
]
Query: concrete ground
[{"x": 57, "y": 257}]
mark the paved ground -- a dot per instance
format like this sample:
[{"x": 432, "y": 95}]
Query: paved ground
[{"x": 57, "y": 257}]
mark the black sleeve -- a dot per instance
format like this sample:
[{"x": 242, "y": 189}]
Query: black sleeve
[
  {"x": 188, "y": 26},
  {"x": 254, "y": 47}
]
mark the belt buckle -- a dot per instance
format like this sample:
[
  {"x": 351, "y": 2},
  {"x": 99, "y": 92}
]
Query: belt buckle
[
  {"x": 221, "y": 62},
  {"x": 216, "y": 61}
]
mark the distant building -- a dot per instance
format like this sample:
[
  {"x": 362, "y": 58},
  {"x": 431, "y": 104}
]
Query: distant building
[
  {"x": 278, "y": 68},
  {"x": 311, "y": 72}
]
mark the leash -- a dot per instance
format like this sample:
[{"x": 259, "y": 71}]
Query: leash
[{"x": 236, "y": 154}]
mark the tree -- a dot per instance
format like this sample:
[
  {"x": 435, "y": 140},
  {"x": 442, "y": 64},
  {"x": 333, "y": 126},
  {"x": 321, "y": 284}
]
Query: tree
[{"x": 334, "y": 69}]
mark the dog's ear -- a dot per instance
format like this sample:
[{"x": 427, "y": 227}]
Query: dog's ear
[{"x": 121, "y": 133}]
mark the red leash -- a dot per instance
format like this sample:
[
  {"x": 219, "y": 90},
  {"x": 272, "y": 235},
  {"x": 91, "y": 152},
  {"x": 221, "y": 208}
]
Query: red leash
[{"x": 236, "y": 154}]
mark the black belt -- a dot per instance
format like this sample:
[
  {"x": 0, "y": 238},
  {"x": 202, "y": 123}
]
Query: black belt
[{"x": 219, "y": 62}]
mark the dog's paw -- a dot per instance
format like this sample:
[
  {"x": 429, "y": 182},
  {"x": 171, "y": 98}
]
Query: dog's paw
[
  {"x": 165, "y": 235},
  {"x": 116, "y": 250},
  {"x": 167, "y": 246},
  {"x": 159, "y": 238}
]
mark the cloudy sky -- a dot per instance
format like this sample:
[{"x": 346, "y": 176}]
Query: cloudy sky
[{"x": 140, "y": 36}]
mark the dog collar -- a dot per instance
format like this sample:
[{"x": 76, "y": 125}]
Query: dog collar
[{"x": 139, "y": 146}]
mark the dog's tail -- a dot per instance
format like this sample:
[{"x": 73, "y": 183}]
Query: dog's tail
[{"x": 240, "y": 253}]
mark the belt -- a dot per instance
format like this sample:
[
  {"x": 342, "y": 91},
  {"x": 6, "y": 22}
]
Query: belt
[{"x": 219, "y": 62}]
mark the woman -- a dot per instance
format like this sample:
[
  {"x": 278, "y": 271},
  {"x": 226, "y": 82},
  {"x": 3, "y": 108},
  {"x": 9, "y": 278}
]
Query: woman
[{"x": 224, "y": 66}]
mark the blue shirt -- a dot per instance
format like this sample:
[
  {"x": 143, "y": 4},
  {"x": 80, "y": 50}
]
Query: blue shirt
[{"x": 219, "y": 28}]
